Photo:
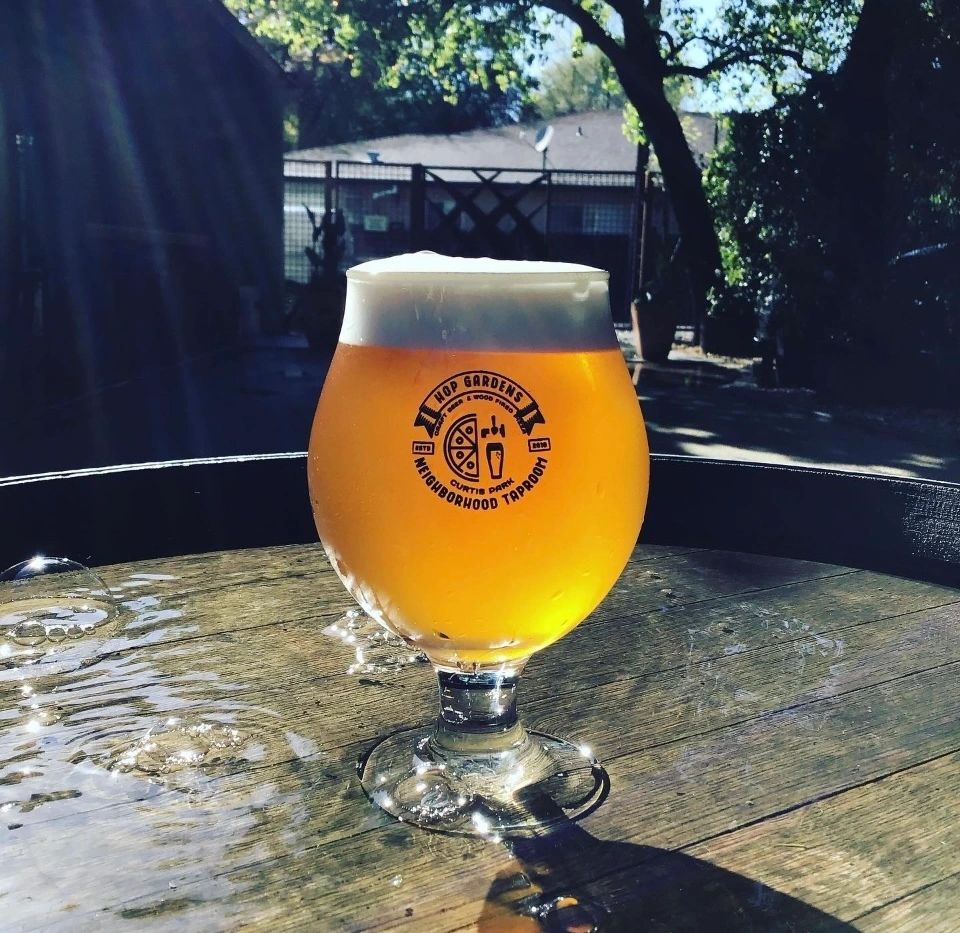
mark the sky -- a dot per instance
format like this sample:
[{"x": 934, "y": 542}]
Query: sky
[{"x": 709, "y": 100}]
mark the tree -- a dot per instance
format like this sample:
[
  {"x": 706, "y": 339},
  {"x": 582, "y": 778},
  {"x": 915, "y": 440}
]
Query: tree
[
  {"x": 333, "y": 100},
  {"x": 647, "y": 44},
  {"x": 576, "y": 84},
  {"x": 838, "y": 206},
  {"x": 332, "y": 106}
]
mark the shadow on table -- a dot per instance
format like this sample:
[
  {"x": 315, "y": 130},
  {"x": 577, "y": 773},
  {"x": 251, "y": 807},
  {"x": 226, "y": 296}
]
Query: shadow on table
[{"x": 572, "y": 881}]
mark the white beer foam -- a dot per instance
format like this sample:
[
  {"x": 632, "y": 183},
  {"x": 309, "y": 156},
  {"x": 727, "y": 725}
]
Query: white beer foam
[{"x": 432, "y": 301}]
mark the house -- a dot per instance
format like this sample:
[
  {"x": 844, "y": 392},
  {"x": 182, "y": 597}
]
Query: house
[
  {"x": 580, "y": 142},
  {"x": 569, "y": 190},
  {"x": 141, "y": 187}
]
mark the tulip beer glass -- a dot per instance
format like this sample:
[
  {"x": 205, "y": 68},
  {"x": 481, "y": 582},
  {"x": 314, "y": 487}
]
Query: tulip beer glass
[{"x": 478, "y": 473}]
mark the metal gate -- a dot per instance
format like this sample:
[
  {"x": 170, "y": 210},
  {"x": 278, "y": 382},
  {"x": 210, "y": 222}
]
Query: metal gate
[
  {"x": 482, "y": 212},
  {"x": 587, "y": 217}
]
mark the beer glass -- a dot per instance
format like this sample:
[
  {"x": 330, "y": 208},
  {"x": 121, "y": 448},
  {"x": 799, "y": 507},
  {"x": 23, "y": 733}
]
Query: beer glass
[{"x": 478, "y": 473}]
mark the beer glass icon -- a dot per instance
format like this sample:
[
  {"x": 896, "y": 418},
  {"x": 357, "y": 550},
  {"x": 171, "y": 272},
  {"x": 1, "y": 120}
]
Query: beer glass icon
[{"x": 494, "y": 449}]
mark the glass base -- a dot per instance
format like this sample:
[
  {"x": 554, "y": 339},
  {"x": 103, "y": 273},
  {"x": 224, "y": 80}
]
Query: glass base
[{"x": 528, "y": 785}]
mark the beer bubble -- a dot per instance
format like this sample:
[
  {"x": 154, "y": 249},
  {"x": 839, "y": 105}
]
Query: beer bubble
[{"x": 49, "y": 601}]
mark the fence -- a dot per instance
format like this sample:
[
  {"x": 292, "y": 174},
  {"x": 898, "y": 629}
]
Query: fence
[{"x": 587, "y": 217}]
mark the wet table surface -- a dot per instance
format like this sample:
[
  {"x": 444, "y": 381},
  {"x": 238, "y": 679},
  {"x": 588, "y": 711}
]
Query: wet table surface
[{"x": 782, "y": 739}]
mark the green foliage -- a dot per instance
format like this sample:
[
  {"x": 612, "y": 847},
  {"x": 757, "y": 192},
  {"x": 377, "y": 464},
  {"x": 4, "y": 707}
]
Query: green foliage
[
  {"x": 772, "y": 226},
  {"x": 400, "y": 42},
  {"x": 366, "y": 69},
  {"x": 291, "y": 130},
  {"x": 423, "y": 51},
  {"x": 790, "y": 245},
  {"x": 754, "y": 51},
  {"x": 924, "y": 118},
  {"x": 746, "y": 51},
  {"x": 337, "y": 106},
  {"x": 576, "y": 84}
]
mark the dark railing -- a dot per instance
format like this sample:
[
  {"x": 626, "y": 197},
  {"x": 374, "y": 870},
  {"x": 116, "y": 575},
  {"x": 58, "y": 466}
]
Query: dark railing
[
  {"x": 588, "y": 217},
  {"x": 100, "y": 516}
]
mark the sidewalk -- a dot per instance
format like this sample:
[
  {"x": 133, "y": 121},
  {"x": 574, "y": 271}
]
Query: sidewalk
[
  {"x": 261, "y": 398},
  {"x": 712, "y": 408}
]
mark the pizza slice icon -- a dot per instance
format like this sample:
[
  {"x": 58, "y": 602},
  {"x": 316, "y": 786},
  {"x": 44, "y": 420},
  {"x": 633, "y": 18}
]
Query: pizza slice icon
[{"x": 460, "y": 448}]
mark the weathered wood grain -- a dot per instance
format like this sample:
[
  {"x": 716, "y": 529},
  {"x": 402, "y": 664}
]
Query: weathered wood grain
[
  {"x": 846, "y": 851},
  {"x": 661, "y": 802},
  {"x": 680, "y": 681},
  {"x": 226, "y": 593},
  {"x": 935, "y": 907},
  {"x": 286, "y": 585},
  {"x": 723, "y": 709}
]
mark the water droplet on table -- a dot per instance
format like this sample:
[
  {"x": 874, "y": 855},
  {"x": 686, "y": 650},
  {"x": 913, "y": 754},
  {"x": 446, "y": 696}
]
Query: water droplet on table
[
  {"x": 376, "y": 651},
  {"x": 48, "y": 601},
  {"x": 177, "y": 745}
]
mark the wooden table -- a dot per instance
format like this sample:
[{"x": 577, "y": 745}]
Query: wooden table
[{"x": 782, "y": 739}]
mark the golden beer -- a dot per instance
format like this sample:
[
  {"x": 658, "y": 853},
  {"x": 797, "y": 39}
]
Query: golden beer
[{"x": 480, "y": 490}]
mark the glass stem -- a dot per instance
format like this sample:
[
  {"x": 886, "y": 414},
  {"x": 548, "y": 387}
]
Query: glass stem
[{"x": 478, "y": 710}]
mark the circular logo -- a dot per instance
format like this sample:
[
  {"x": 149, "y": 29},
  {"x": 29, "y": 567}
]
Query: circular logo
[{"x": 479, "y": 441}]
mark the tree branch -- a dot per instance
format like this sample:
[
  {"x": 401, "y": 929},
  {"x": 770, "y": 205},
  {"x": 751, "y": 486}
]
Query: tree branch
[
  {"x": 740, "y": 57},
  {"x": 663, "y": 34},
  {"x": 719, "y": 63},
  {"x": 592, "y": 31},
  {"x": 675, "y": 48},
  {"x": 796, "y": 56}
]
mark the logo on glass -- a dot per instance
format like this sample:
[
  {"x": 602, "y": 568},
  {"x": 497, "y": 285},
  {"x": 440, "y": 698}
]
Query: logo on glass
[{"x": 485, "y": 448}]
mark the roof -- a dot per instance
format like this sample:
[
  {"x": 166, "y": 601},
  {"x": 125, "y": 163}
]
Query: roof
[{"x": 587, "y": 142}]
